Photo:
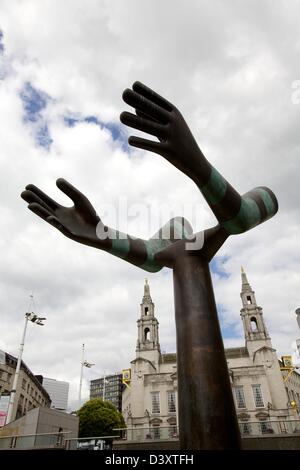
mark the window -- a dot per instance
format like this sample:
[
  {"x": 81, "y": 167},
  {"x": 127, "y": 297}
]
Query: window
[
  {"x": 253, "y": 324},
  {"x": 156, "y": 431},
  {"x": 257, "y": 395},
  {"x": 21, "y": 400},
  {"x": 240, "y": 397},
  {"x": 173, "y": 432},
  {"x": 266, "y": 428},
  {"x": 245, "y": 428},
  {"x": 155, "y": 402},
  {"x": 147, "y": 334},
  {"x": 146, "y": 310},
  {"x": 171, "y": 402},
  {"x": 24, "y": 384},
  {"x": 249, "y": 301}
]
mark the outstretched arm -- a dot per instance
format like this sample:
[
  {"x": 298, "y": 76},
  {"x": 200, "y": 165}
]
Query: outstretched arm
[
  {"x": 158, "y": 117},
  {"x": 82, "y": 224}
]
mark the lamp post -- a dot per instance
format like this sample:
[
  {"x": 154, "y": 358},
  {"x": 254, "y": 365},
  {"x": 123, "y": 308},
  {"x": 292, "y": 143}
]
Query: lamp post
[
  {"x": 83, "y": 364},
  {"x": 104, "y": 388},
  {"x": 29, "y": 316}
]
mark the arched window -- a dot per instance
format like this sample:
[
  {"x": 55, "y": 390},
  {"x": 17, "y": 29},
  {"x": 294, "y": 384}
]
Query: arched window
[
  {"x": 253, "y": 324},
  {"x": 147, "y": 334},
  {"x": 146, "y": 310}
]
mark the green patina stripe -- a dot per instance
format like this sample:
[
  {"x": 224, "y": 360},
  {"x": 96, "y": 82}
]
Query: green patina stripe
[
  {"x": 215, "y": 189},
  {"x": 120, "y": 247},
  {"x": 153, "y": 246},
  {"x": 248, "y": 217},
  {"x": 268, "y": 201}
]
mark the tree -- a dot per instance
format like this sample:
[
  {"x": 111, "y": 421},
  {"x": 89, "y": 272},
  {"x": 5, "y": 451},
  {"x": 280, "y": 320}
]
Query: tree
[{"x": 99, "y": 418}]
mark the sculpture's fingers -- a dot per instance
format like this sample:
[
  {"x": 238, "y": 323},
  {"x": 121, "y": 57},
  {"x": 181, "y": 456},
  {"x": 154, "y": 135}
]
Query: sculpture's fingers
[
  {"x": 145, "y": 116},
  {"x": 39, "y": 210},
  {"x": 46, "y": 199},
  {"x": 80, "y": 201},
  {"x": 143, "y": 124},
  {"x": 31, "y": 197},
  {"x": 143, "y": 104},
  {"x": 152, "y": 96},
  {"x": 77, "y": 197},
  {"x": 146, "y": 144}
]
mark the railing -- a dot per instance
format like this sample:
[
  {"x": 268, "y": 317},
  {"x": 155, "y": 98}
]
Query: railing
[
  {"x": 141, "y": 434},
  {"x": 269, "y": 428},
  {"x": 90, "y": 443},
  {"x": 155, "y": 433},
  {"x": 247, "y": 429},
  {"x": 31, "y": 441}
]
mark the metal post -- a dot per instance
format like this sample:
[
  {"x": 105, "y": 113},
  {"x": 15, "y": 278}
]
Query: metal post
[
  {"x": 81, "y": 374},
  {"x": 103, "y": 394},
  {"x": 207, "y": 414},
  {"x": 10, "y": 414}
]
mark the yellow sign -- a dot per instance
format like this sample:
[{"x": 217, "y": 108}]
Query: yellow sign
[
  {"x": 287, "y": 361},
  {"x": 126, "y": 375}
]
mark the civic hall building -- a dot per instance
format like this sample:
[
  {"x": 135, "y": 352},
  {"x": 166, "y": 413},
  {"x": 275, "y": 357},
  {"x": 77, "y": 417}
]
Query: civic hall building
[{"x": 266, "y": 393}]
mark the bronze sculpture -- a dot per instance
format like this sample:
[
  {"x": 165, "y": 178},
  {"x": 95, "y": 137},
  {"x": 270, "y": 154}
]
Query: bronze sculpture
[{"x": 207, "y": 415}]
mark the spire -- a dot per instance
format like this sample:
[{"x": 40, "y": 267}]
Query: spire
[
  {"x": 148, "y": 339},
  {"x": 245, "y": 284},
  {"x": 251, "y": 313},
  {"x": 147, "y": 295},
  {"x": 247, "y": 293}
]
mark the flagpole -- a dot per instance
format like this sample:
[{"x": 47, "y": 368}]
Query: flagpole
[{"x": 81, "y": 373}]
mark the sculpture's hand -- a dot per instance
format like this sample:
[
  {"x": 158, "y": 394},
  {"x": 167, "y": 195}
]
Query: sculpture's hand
[
  {"x": 158, "y": 117},
  {"x": 81, "y": 223},
  {"x": 78, "y": 222}
]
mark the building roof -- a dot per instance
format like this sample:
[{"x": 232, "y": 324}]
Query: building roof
[
  {"x": 232, "y": 353},
  {"x": 167, "y": 358}
]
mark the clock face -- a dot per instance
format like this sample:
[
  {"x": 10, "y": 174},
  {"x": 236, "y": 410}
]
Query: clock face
[
  {"x": 287, "y": 361},
  {"x": 126, "y": 374}
]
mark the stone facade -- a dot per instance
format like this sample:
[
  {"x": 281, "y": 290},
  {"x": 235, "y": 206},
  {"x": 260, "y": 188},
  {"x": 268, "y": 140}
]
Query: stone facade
[
  {"x": 151, "y": 400},
  {"x": 260, "y": 392},
  {"x": 30, "y": 392}
]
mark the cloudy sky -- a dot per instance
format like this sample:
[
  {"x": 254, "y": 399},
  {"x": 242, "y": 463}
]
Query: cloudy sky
[{"x": 232, "y": 68}]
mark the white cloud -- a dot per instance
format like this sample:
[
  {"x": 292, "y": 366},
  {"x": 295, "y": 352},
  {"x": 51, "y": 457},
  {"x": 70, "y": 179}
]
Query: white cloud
[{"x": 230, "y": 71}]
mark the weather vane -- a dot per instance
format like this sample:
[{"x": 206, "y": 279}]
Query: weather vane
[{"x": 207, "y": 416}]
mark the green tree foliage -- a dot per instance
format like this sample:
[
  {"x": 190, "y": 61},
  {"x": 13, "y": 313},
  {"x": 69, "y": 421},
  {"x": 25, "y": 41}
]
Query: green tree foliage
[{"x": 99, "y": 418}]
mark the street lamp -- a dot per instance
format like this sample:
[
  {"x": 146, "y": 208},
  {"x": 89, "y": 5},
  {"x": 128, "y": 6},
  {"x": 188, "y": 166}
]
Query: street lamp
[
  {"x": 29, "y": 316},
  {"x": 83, "y": 364}
]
